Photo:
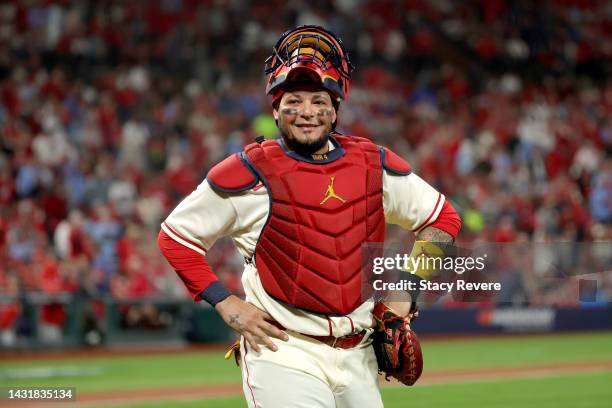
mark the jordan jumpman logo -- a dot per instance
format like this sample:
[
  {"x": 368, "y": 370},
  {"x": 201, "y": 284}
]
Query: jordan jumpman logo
[{"x": 330, "y": 193}]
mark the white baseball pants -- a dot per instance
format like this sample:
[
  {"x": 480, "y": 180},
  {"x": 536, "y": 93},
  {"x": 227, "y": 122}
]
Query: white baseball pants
[{"x": 305, "y": 373}]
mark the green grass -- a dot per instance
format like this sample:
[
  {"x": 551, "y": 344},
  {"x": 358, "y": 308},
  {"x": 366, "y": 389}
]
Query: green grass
[
  {"x": 121, "y": 373},
  {"x": 578, "y": 390},
  {"x": 517, "y": 351},
  {"x": 573, "y": 391},
  {"x": 206, "y": 368}
]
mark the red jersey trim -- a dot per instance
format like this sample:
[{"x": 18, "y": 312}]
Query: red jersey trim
[
  {"x": 352, "y": 325},
  {"x": 183, "y": 238},
  {"x": 248, "y": 376},
  {"x": 448, "y": 220},
  {"x": 424, "y": 224}
]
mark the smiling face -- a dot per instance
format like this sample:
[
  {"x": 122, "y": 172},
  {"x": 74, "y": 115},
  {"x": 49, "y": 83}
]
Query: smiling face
[{"x": 305, "y": 116}]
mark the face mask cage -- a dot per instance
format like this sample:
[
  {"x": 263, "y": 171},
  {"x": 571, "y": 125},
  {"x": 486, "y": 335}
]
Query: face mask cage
[{"x": 314, "y": 48}]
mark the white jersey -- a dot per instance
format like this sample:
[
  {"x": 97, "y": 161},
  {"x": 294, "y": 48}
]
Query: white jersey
[{"x": 207, "y": 215}]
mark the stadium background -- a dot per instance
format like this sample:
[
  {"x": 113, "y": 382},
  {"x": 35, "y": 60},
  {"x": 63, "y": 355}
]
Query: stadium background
[{"x": 112, "y": 111}]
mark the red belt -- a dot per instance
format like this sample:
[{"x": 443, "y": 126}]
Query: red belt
[{"x": 344, "y": 342}]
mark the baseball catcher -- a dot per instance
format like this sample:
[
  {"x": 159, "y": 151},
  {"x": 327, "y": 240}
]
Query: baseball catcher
[{"x": 299, "y": 209}]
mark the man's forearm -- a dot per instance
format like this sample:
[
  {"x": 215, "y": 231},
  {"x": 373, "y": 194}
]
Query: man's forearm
[
  {"x": 402, "y": 302},
  {"x": 433, "y": 234}
]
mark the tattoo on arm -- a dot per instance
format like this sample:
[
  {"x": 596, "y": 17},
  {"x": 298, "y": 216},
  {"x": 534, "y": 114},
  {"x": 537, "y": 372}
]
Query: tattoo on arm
[{"x": 432, "y": 234}]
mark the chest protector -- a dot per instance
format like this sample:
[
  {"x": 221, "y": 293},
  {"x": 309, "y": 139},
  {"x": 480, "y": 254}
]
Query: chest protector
[{"x": 309, "y": 254}]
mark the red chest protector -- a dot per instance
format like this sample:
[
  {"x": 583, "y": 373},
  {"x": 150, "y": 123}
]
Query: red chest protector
[{"x": 309, "y": 253}]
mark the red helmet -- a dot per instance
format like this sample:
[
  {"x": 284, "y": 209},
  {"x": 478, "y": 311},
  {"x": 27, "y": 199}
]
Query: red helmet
[{"x": 311, "y": 50}]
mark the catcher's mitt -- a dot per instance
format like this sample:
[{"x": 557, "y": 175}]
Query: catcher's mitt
[{"x": 397, "y": 347}]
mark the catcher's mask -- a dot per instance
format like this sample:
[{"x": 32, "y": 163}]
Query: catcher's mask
[{"x": 309, "y": 53}]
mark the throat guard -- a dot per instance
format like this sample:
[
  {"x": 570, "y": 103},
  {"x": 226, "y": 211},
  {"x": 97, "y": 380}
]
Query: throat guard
[{"x": 309, "y": 254}]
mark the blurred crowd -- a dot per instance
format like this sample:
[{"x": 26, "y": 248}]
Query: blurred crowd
[{"x": 112, "y": 111}]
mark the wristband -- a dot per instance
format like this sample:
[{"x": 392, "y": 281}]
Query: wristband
[{"x": 215, "y": 293}]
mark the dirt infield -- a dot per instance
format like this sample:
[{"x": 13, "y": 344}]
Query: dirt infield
[{"x": 116, "y": 398}]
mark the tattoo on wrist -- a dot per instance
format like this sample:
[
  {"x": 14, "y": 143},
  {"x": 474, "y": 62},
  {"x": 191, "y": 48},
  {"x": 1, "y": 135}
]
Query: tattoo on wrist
[{"x": 433, "y": 234}]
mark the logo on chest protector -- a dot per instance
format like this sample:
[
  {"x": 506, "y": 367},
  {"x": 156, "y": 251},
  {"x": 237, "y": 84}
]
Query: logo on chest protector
[{"x": 330, "y": 193}]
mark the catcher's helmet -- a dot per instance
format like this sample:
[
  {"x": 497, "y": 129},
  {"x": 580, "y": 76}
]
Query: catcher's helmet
[{"x": 313, "y": 51}]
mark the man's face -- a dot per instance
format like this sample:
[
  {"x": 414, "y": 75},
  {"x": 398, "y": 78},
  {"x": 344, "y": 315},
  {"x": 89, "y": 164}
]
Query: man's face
[{"x": 305, "y": 117}]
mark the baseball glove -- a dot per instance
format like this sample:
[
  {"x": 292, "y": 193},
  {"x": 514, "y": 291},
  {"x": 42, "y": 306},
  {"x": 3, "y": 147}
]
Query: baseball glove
[{"x": 397, "y": 347}]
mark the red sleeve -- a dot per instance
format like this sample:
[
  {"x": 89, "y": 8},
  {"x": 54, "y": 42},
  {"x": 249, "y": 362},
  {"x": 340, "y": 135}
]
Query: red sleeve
[
  {"x": 190, "y": 265},
  {"x": 448, "y": 220}
]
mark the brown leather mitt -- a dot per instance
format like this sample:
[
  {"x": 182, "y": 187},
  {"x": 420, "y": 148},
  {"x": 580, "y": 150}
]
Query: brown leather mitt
[{"x": 397, "y": 347}]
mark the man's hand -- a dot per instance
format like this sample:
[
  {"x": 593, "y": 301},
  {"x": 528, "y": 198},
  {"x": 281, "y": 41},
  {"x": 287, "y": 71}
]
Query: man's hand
[{"x": 250, "y": 322}]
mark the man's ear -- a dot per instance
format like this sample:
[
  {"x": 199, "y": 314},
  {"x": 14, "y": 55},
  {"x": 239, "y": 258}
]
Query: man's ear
[{"x": 275, "y": 114}]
